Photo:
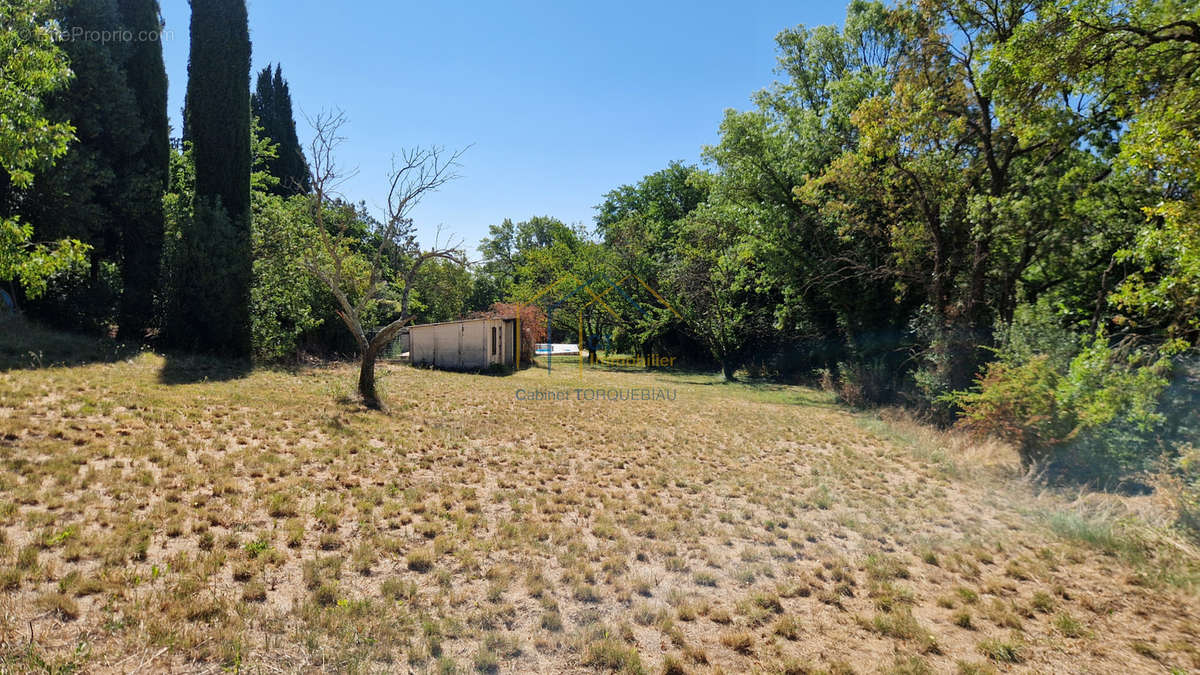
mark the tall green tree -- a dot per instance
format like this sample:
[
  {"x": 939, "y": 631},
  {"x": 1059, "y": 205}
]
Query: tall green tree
[
  {"x": 1142, "y": 59},
  {"x": 642, "y": 225},
  {"x": 837, "y": 302},
  {"x": 31, "y": 67},
  {"x": 508, "y": 247},
  {"x": 714, "y": 283},
  {"x": 91, "y": 193},
  {"x": 272, "y": 105},
  {"x": 987, "y": 177},
  {"x": 147, "y": 169},
  {"x": 442, "y": 292},
  {"x": 211, "y": 309}
]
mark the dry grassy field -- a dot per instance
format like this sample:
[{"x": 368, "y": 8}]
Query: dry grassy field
[{"x": 161, "y": 515}]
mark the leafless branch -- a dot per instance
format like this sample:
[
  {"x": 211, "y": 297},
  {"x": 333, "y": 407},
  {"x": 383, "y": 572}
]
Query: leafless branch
[{"x": 415, "y": 173}]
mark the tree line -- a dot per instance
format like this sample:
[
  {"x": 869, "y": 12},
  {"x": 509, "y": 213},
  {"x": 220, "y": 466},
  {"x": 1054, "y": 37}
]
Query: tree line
[{"x": 984, "y": 211}]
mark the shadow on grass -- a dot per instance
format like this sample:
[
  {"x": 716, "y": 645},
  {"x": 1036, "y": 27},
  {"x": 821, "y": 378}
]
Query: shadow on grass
[
  {"x": 192, "y": 368},
  {"x": 25, "y": 345}
]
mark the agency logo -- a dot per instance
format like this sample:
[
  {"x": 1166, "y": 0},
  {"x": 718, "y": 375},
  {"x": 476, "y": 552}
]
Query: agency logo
[{"x": 600, "y": 291}]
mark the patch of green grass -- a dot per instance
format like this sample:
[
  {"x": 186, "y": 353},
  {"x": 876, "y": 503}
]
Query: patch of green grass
[
  {"x": 608, "y": 653},
  {"x": 1042, "y": 602},
  {"x": 1100, "y": 532},
  {"x": 1002, "y": 651},
  {"x": 902, "y": 625},
  {"x": 967, "y": 595},
  {"x": 281, "y": 505},
  {"x": 1069, "y": 626},
  {"x": 257, "y": 547}
]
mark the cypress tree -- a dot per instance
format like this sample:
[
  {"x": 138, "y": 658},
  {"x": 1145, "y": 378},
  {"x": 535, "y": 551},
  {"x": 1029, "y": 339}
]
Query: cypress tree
[
  {"x": 272, "y": 104},
  {"x": 211, "y": 312},
  {"x": 295, "y": 166},
  {"x": 142, "y": 234},
  {"x": 262, "y": 101}
]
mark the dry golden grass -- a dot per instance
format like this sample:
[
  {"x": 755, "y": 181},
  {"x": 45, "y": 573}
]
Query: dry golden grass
[{"x": 268, "y": 523}]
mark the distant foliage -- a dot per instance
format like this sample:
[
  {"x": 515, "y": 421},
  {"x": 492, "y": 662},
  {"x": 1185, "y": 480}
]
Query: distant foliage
[
  {"x": 441, "y": 292},
  {"x": 283, "y": 297},
  {"x": 285, "y": 301}
]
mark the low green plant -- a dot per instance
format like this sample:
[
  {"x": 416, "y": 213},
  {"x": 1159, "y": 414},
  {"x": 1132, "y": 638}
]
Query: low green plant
[{"x": 1092, "y": 416}]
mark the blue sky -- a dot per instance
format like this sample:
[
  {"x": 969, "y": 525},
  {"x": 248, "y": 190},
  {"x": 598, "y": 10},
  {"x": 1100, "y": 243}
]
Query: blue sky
[{"x": 561, "y": 101}]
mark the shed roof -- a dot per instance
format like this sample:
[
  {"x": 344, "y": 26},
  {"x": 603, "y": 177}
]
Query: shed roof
[{"x": 446, "y": 323}]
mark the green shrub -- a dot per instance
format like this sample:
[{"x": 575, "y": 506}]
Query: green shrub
[
  {"x": 1018, "y": 404},
  {"x": 285, "y": 300},
  {"x": 1094, "y": 415}
]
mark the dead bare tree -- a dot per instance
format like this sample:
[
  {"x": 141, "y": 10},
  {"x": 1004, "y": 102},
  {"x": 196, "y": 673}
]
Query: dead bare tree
[{"x": 415, "y": 173}]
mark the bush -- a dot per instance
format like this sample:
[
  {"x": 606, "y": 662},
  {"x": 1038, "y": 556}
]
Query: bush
[
  {"x": 1093, "y": 414},
  {"x": 860, "y": 384},
  {"x": 1018, "y": 403},
  {"x": 285, "y": 300}
]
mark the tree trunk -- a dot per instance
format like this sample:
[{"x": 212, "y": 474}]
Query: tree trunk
[
  {"x": 727, "y": 370},
  {"x": 366, "y": 379}
]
